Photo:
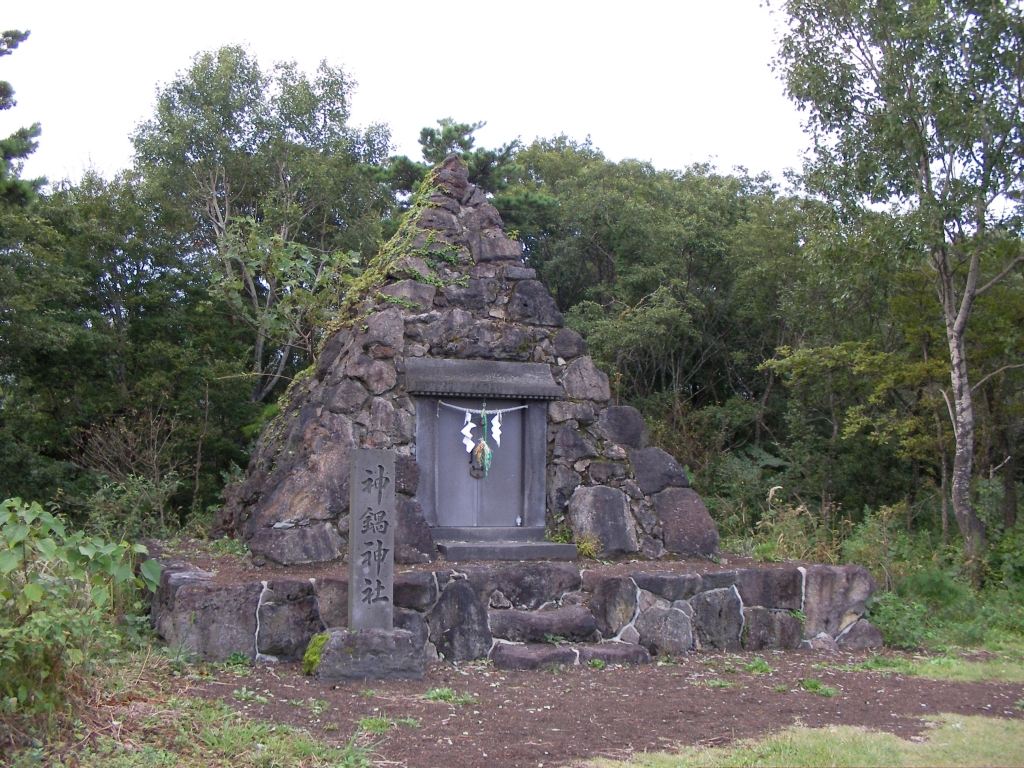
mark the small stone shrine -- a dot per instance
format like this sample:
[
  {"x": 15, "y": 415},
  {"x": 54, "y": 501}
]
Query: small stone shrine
[
  {"x": 450, "y": 356},
  {"x": 453, "y": 355}
]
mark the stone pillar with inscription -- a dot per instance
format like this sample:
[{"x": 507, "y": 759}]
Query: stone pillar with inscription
[
  {"x": 371, "y": 648},
  {"x": 371, "y": 540}
]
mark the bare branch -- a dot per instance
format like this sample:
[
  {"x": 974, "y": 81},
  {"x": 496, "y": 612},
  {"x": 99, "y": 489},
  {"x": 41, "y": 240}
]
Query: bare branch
[
  {"x": 996, "y": 373},
  {"x": 1001, "y": 275}
]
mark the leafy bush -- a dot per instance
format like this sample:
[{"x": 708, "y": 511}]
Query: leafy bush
[{"x": 61, "y": 595}]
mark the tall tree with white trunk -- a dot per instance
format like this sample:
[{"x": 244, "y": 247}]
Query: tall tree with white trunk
[{"x": 918, "y": 107}]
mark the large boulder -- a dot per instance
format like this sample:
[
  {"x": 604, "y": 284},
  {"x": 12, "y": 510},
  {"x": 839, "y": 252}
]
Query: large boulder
[
  {"x": 569, "y": 344},
  {"x": 717, "y": 620},
  {"x": 213, "y": 621},
  {"x": 624, "y": 425},
  {"x": 671, "y": 586},
  {"x": 288, "y": 618},
  {"x": 771, "y": 587},
  {"x": 416, "y": 590},
  {"x": 533, "y": 656},
  {"x": 526, "y": 585},
  {"x": 656, "y": 470},
  {"x": 614, "y": 653},
  {"x": 835, "y": 597},
  {"x": 613, "y": 604},
  {"x": 573, "y": 622},
  {"x": 370, "y": 654},
  {"x": 861, "y": 636},
  {"x": 458, "y": 623},
  {"x": 601, "y": 513},
  {"x": 765, "y": 629},
  {"x": 665, "y": 631},
  {"x": 562, "y": 481},
  {"x": 532, "y": 304},
  {"x": 318, "y": 543},
  {"x": 332, "y": 601},
  {"x": 687, "y": 528},
  {"x": 583, "y": 381},
  {"x": 316, "y": 486}
]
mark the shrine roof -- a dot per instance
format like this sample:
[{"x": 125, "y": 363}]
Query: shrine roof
[{"x": 477, "y": 378}]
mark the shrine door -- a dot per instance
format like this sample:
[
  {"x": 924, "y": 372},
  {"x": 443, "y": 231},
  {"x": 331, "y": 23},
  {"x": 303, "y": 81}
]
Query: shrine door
[{"x": 466, "y": 501}]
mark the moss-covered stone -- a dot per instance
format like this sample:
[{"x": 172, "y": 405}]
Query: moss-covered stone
[{"x": 311, "y": 658}]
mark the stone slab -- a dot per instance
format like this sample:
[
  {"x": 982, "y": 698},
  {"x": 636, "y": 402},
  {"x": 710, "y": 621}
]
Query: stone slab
[
  {"x": 614, "y": 653},
  {"x": 533, "y": 656},
  {"x": 370, "y": 654},
  {"x": 539, "y": 550}
]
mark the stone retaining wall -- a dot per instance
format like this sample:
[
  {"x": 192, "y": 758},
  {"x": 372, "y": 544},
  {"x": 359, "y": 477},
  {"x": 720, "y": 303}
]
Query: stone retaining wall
[{"x": 478, "y": 611}]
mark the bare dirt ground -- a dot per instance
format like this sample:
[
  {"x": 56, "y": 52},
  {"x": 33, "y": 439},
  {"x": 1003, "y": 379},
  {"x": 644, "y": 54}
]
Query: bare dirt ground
[{"x": 555, "y": 717}]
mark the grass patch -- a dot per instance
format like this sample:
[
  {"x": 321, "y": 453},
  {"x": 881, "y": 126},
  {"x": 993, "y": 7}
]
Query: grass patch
[
  {"x": 954, "y": 741},
  {"x": 950, "y": 667},
  {"x": 449, "y": 696},
  {"x": 244, "y": 694},
  {"x": 376, "y": 724},
  {"x": 188, "y": 733},
  {"x": 818, "y": 687},
  {"x": 758, "y": 666},
  {"x": 715, "y": 682}
]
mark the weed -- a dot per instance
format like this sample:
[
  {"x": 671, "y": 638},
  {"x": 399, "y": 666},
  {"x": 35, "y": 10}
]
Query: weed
[
  {"x": 238, "y": 659},
  {"x": 818, "y": 687},
  {"x": 758, "y": 666},
  {"x": 410, "y": 722},
  {"x": 781, "y": 688},
  {"x": 767, "y": 552},
  {"x": 226, "y": 546},
  {"x": 587, "y": 546},
  {"x": 553, "y": 639},
  {"x": 376, "y": 724},
  {"x": 716, "y": 682},
  {"x": 246, "y": 695},
  {"x": 316, "y": 706},
  {"x": 448, "y": 696},
  {"x": 368, "y": 692},
  {"x": 596, "y": 664}
]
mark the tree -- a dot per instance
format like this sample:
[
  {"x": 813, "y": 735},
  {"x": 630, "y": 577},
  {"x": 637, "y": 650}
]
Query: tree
[
  {"x": 920, "y": 107},
  {"x": 20, "y": 144},
  {"x": 490, "y": 169},
  {"x": 233, "y": 150}
]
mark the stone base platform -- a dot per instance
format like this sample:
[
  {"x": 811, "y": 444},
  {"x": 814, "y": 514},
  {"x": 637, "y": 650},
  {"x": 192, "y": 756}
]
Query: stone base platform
[
  {"x": 524, "y": 614},
  {"x": 505, "y": 550}
]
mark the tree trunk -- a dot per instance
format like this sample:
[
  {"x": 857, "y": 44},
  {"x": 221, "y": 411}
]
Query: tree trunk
[
  {"x": 1009, "y": 483},
  {"x": 972, "y": 529}
]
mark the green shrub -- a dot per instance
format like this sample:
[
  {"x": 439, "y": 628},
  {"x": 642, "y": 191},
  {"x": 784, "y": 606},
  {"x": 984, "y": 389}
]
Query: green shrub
[{"x": 62, "y": 598}]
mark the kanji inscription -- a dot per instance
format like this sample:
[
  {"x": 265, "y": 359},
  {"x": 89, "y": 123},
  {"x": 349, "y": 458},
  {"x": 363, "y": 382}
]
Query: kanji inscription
[{"x": 371, "y": 540}]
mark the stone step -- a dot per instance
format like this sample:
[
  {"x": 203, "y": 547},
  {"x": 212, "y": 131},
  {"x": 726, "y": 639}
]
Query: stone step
[
  {"x": 455, "y": 551},
  {"x": 515, "y": 656},
  {"x": 499, "y": 534}
]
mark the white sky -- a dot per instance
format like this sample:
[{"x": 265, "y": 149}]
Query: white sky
[{"x": 670, "y": 82}]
